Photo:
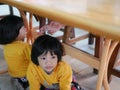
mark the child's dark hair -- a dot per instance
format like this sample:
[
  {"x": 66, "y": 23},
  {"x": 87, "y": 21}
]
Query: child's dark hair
[
  {"x": 46, "y": 43},
  {"x": 9, "y": 28}
]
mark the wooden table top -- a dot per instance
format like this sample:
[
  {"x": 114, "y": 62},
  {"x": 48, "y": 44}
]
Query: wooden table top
[{"x": 100, "y": 17}]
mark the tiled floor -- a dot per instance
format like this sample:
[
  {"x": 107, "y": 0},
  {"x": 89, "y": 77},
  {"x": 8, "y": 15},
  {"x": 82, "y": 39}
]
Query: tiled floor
[{"x": 84, "y": 73}]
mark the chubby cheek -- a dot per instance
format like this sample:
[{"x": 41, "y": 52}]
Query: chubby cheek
[
  {"x": 55, "y": 63},
  {"x": 41, "y": 63},
  {"x": 48, "y": 65}
]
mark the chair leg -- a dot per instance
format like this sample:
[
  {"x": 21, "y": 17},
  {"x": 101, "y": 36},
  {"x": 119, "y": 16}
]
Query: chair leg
[
  {"x": 98, "y": 47},
  {"x": 42, "y": 21},
  {"x": 72, "y": 33},
  {"x": 67, "y": 32},
  {"x": 112, "y": 63},
  {"x": 91, "y": 39}
]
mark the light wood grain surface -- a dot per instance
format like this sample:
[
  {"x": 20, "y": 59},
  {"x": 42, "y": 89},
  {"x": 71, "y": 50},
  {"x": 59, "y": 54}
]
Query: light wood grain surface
[{"x": 100, "y": 17}]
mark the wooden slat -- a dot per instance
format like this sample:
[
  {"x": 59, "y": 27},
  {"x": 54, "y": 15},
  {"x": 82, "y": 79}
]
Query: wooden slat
[
  {"x": 82, "y": 56},
  {"x": 76, "y": 39}
]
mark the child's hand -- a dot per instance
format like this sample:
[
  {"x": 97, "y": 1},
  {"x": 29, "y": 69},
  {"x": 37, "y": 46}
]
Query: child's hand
[
  {"x": 51, "y": 28},
  {"x": 54, "y": 27}
]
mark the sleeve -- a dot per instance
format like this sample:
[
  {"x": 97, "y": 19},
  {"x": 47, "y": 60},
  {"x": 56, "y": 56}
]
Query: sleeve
[
  {"x": 65, "y": 77},
  {"x": 27, "y": 52},
  {"x": 31, "y": 77}
]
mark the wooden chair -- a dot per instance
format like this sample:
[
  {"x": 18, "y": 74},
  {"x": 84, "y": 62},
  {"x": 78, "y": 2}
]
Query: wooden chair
[
  {"x": 99, "y": 42},
  {"x": 69, "y": 36},
  {"x": 101, "y": 64},
  {"x": 113, "y": 62}
]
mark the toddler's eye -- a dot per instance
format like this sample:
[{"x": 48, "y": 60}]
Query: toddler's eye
[
  {"x": 53, "y": 57},
  {"x": 43, "y": 58}
]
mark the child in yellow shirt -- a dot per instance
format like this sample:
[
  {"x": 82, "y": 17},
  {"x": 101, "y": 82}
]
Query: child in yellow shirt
[
  {"x": 47, "y": 69},
  {"x": 16, "y": 51}
]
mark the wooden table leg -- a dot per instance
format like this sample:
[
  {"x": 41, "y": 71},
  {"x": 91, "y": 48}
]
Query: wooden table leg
[
  {"x": 110, "y": 52},
  {"x": 103, "y": 63},
  {"x": 112, "y": 62},
  {"x": 98, "y": 48},
  {"x": 107, "y": 50},
  {"x": 67, "y": 34}
]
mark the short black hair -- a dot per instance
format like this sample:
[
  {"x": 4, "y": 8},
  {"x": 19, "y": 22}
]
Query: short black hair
[
  {"x": 9, "y": 28},
  {"x": 46, "y": 43}
]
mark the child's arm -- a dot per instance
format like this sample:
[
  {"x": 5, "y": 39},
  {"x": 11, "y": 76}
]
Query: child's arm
[
  {"x": 33, "y": 82},
  {"x": 27, "y": 52},
  {"x": 66, "y": 78}
]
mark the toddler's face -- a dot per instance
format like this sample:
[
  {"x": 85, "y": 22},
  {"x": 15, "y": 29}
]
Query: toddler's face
[{"x": 48, "y": 62}]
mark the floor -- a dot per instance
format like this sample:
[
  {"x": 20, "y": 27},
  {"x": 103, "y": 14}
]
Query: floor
[{"x": 84, "y": 73}]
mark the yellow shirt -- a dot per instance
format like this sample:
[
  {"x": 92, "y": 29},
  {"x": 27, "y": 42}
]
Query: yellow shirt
[
  {"x": 60, "y": 78},
  {"x": 17, "y": 56}
]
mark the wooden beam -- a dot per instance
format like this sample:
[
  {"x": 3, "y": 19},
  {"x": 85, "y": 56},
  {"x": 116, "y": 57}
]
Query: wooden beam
[{"x": 82, "y": 56}]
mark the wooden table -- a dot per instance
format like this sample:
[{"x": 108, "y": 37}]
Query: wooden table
[{"x": 99, "y": 17}]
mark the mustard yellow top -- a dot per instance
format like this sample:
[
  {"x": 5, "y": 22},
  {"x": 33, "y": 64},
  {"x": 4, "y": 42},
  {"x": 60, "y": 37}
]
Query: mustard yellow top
[
  {"x": 60, "y": 78},
  {"x": 17, "y": 56}
]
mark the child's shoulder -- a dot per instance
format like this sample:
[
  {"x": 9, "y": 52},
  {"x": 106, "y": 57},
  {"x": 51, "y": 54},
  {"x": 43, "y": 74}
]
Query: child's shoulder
[
  {"x": 64, "y": 64},
  {"x": 19, "y": 43},
  {"x": 63, "y": 67},
  {"x": 22, "y": 44}
]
